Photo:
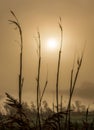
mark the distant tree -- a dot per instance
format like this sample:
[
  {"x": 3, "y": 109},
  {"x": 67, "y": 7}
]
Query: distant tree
[
  {"x": 73, "y": 107},
  {"x": 83, "y": 108},
  {"x": 79, "y": 106}
]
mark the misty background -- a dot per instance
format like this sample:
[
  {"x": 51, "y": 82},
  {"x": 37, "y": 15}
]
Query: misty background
[{"x": 78, "y": 28}]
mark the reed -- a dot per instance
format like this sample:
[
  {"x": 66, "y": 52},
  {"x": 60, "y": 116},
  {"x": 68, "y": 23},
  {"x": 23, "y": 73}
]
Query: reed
[
  {"x": 21, "y": 79},
  {"x": 58, "y": 70},
  {"x": 54, "y": 121},
  {"x": 73, "y": 81},
  {"x": 39, "y": 97},
  {"x": 38, "y": 81}
]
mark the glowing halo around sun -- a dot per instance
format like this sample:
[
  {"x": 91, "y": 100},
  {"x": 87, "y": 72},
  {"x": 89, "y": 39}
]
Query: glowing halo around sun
[{"x": 51, "y": 44}]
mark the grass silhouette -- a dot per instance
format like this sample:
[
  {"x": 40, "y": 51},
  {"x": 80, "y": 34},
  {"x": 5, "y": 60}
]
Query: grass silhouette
[{"x": 21, "y": 117}]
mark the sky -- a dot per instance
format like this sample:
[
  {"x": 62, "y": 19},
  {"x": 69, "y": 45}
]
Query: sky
[{"x": 43, "y": 15}]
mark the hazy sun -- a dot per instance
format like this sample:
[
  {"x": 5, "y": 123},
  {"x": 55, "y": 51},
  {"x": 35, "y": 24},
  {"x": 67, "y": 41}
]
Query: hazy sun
[{"x": 51, "y": 43}]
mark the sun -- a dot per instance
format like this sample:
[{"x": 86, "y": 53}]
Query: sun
[{"x": 51, "y": 43}]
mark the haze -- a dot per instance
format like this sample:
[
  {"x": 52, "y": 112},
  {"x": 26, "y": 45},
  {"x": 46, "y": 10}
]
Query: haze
[{"x": 78, "y": 28}]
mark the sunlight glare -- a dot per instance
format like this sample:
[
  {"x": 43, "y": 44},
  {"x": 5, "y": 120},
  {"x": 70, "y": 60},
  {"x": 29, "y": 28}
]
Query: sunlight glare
[{"x": 51, "y": 43}]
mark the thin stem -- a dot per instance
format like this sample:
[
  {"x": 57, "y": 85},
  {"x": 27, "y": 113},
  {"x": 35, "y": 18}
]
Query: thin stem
[
  {"x": 72, "y": 85},
  {"x": 38, "y": 81},
  {"x": 58, "y": 73},
  {"x": 21, "y": 79},
  {"x": 58, "y": 67}
]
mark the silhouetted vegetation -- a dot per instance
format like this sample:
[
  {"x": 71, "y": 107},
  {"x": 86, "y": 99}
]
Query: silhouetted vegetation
[{"x": 20, "y": 116}]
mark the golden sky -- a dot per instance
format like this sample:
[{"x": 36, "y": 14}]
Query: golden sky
[{"x": 78, "y": 28}]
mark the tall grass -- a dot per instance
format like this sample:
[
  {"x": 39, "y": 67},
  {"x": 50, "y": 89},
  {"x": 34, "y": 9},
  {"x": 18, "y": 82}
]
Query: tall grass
[
  {"x": 21, "y": 120},
  {"x": 58, "y": 67},
  {"x": 58, "y": 72},
  {"x": 21, "y": 79},
  {"x": 73, "y": 80},
  {"x": 54, "y": 121},
  {"x": 39, "y": 96},
  {"x": 38, "y": 81}
]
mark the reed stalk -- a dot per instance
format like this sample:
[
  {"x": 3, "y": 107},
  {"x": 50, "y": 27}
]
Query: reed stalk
[
  {"x": 58, "y": 67},
  {"x": 21, "y": 79},
  {"x": 73, "y": 81},
  {"x": 38, "y": 81},
  {"x": 58, "y": 72}
]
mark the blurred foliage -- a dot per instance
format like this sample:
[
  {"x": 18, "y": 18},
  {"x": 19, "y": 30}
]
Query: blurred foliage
[{"x": 24, "y": 117}]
